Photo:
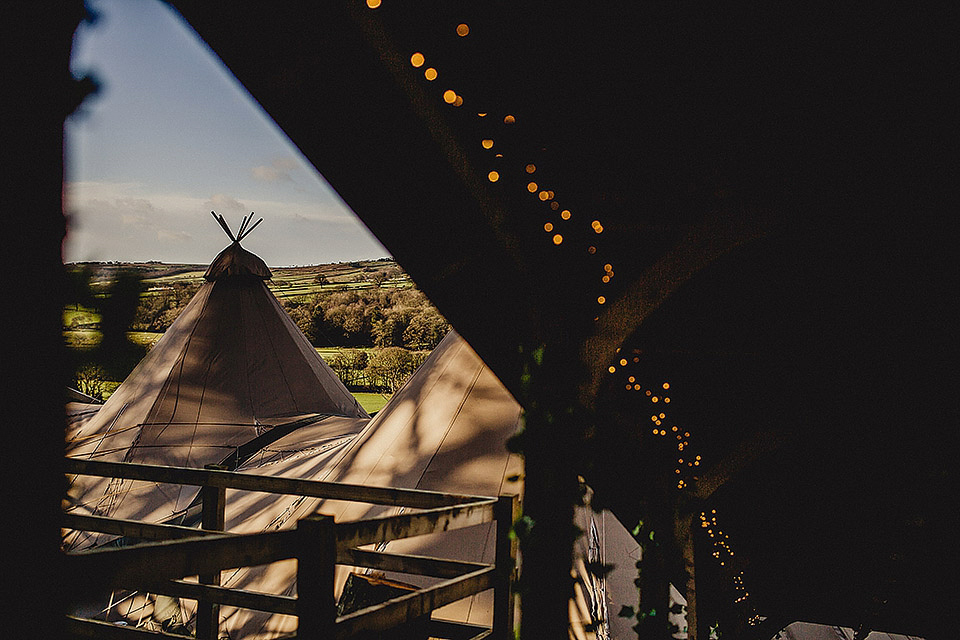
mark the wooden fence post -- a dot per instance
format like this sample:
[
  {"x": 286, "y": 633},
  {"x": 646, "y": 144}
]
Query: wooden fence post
[
  {"x": 214, "y": 501},
  {"x": 505, "y": 512},
  {"x": 316, "y": 564}
]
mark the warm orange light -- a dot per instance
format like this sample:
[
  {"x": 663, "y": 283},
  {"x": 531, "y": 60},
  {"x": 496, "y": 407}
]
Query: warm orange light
[
  {"x": 666, "y": 385},
  {"x": 449, "y": 96},
  {"x": 601, "y": 300},
  {"x": 544, "y": 196},
  {"x": 632, "y": 379},
  {"x": 591, "y": 249},
  {"x": 530, "y": 168},
  {"x": 674, "y": 427},
  {"x": 623, "y": 362},
  {"x": 608, "y": 267},
  {"x": 493, "y": 176},
  {"x": 565, "y": 214},
  {"x": 612, "y": 369},
  {"x": 605, "y": 279},
  {"x": 458, "y": 102},
  {"x": 531, "y": 187},
  {"x": 548, "y": 227},
  {"x": 481, "y": 115},
  {"x": 636, "y": 387},
  {"x": 557, "y": 239},
  {"x": 554, "y": 205},
  {"x": 486, "y": 143},
  {"x": 373, "y": 4},
  {"x": 663, "y": 415},
  {"x": 509, "y": 120},
  {"x": 667, "y": 400},
  {"x": 430, "y": 73},
  {"x": 654, "y": 399},
  {"x": 462, "y": 30},
  {"x": 417, "y": 59},
  {"x": 597, "y": 226}
]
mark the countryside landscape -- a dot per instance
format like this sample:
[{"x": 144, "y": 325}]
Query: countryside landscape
[{"x": 365, "y": 318}]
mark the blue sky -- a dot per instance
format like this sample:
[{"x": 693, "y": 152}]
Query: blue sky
[{"x": 170, "y": 136}]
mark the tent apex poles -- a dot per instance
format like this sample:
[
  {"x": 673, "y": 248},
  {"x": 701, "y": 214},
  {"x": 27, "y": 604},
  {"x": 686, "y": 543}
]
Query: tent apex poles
[
  {"x": 223, "y": 225},
  {"x": 243, "y": 223},
  {"x": 250, "y": 229}
]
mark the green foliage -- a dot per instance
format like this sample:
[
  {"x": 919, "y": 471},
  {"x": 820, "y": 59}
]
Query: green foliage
[
  {"x": 349, "y": 365},
  {"x": 390, "y": 367},
  {"x": 90, "y": 379}
]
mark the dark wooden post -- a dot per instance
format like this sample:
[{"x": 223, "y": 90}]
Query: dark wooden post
[
  {"x": 505, "y": 511},
  {"x": 316, "y": 564},
  {"x": 214, "y": 500}
]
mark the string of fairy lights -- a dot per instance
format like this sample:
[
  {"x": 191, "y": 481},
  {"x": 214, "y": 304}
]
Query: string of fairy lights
[
  {"x": 687, "y": 462},
  {"x": 559, "y": 215},
  {"x": 686, "y": 468}
]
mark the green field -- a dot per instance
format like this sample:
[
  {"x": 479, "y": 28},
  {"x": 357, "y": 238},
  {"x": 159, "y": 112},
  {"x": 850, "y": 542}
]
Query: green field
[{"x": 371, "y": 402}]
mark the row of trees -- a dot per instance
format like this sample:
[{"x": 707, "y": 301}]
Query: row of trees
[
  {"x": 351, "y": 318},
  {"x": 369, "y": 318},
  {"x": 385, "y": 369}
]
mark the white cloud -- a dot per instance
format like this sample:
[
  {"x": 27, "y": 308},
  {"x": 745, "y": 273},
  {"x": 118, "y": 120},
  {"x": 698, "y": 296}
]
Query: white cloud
[
  {"x": 221, "y": 201},
  {"x": 277, "y": 171},
  {"x": 117, "y": 221}
]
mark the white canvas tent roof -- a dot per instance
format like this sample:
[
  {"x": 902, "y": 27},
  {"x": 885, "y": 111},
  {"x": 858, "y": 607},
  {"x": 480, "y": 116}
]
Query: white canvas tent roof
[
  {"x": 445, "y": 430},
  {"x": 232, "y": 367}
]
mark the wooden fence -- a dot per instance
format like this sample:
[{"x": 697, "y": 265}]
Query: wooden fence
[{"x": 173, "y": 553}]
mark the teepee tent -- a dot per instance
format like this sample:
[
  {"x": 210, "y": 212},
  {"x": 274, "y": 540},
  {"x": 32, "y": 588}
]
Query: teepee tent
[
  {"x": 445, "y": 430},
  {"x": 230, "y": 375}
]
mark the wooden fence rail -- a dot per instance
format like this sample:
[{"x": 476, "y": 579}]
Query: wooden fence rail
[{"x": 318, "y": 543}]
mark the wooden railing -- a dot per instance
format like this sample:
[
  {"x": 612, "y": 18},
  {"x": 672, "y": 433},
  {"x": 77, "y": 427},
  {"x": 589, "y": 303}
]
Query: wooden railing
[{"x": 318, "y": 543}]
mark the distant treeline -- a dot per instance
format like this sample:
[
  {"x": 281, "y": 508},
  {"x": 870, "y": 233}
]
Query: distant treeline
[{"x": 371, "y": 317}]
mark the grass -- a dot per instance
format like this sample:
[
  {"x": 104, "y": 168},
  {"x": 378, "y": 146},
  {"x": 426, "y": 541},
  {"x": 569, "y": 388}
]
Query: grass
[
  {"x": 371, "y": 402},
  {"x": 86, "y": 338}
]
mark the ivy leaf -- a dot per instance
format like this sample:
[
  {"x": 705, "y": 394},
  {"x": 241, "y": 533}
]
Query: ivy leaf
[
  {"x": 636, "y": 530},
  {"x": 651, "y": 536},
  {"x": 523, "y": 526},
  {"x": 626, "y": 612},
  {"x": 538, "y": 355}
]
